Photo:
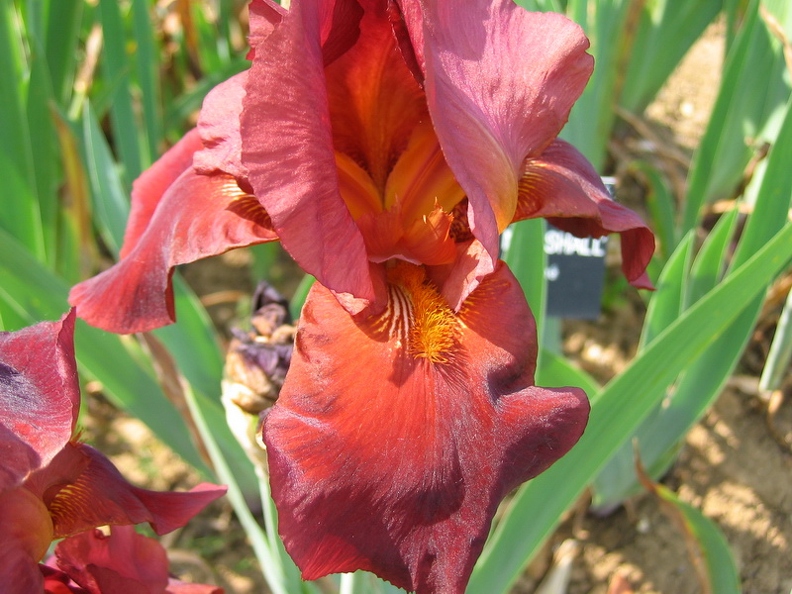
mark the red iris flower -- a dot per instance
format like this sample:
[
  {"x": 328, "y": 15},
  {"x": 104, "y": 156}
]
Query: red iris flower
[
  {"x": 387, "y": 144},
  {"x": 368, "y": 131},
  {"x": 51, "y": 485}
]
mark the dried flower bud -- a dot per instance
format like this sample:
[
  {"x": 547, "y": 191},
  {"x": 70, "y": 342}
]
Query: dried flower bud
[
  {"x": 259, "y": 359},
  {"x": 256, "y": 364}
]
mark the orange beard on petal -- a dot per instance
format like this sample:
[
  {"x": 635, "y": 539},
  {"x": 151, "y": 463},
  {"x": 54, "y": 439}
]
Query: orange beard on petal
[{"x": 417, "y": 318}]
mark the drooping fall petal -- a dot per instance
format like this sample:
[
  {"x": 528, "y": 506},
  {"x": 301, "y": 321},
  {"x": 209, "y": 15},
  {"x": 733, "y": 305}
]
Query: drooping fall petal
[
  {"x": 396, "y": 436},
  {"x": 562, "y": 186},
  {"x": 39, "y": 397},
  {"x": 288, "y": 150},
  {"x": 82, "y": 489},
  {"x": 500, "y": 83},
  {"x": 198, "y": 216}
]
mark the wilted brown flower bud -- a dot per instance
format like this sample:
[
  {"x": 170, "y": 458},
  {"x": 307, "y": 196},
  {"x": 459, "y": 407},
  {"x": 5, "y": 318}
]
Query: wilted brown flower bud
[
  {"x": 258, "y": 360},
  {"x": 256, "y": 364}
]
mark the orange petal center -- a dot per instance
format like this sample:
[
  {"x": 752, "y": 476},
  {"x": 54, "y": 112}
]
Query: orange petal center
[
  {"x": 392, "y": 173},
  {"x": 419, "y": 182}
]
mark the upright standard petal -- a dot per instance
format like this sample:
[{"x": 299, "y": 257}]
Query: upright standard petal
[
  {"x": 287, "y": 149},
  {"x": 500, "y": 83},
  {"x": 198, "y": 216},
  {"x": 39, "y": 397},
  {"x": 218, "y": 127},
  {"x": 396, "y": 436},
  {"x": 562, "y": 186}
]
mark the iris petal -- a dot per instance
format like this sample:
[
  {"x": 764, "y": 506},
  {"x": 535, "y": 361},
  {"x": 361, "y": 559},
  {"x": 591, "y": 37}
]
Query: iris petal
[
  {"x": 20, "y": 572},
  {"x": 424, "y": 240},
  {"x": 562, "y": 186},
  {"x": 500, "y": 83},
  {"x": 198, "y": 216},
  {"x": 39, "y": 397},
  {"x": 288, "y": 152},
  {"x": 123, "y": 561},
  {"x": 82, "y": 489},
  {"x": 218, "y": 126},
  {"x": 396, "y": 436},
  {"x": 150, "y": 187}
]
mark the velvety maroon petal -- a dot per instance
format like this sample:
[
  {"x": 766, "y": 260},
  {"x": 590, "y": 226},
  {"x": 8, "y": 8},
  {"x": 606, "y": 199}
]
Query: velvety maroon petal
[
  {"x": 39, "y": 397},
  {"x": 150, "y": 187},
  {"x": 123, "y": 561},
  {"x": 396, "y": 436},
  {"x": 25, "y": 535},
  {"x": 82, "y": 489},
  {"x": 562, "y": 186},
  {"x": 287, "y": 149},
  {"x": 500, "y": 83},
  {"x": 199, "y": 216}
]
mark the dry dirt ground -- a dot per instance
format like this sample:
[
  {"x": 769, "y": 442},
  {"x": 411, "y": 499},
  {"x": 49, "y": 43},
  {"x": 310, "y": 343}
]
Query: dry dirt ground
[{"x": 731, "y": 467}]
